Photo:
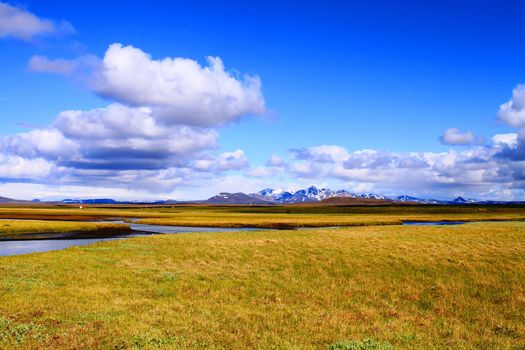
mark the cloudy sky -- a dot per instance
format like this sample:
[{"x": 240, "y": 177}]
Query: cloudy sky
[{"x": 176, "y": 100}]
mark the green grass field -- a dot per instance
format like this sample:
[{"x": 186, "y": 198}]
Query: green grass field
[{"x": 449, "y": 287}]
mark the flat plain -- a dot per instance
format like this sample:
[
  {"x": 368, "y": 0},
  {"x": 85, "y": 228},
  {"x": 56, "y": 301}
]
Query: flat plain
[
  {"x": 288, "y": 216},
  {"x": 374, "y": 284}
]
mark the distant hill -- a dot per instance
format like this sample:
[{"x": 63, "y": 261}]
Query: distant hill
[
  {"x": 9, "y": 200},
  {"x": 234, "y": 198},
  {"x": 90, "y": 201},
  {"x": 109, "y": 201}
]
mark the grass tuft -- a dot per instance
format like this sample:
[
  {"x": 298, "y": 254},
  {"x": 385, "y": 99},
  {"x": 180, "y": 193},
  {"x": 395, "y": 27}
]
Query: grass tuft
[{"x": 367, "y": 344}]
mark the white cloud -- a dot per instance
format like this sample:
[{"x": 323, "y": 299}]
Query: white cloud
[
  {"x": 117, "y": 146},
  {"x": 179, "y": 90},
  {"x": 163, "y": 137},
  {"x": 226, "y": 161},
  {"x": 117, "y": 137},
  {"x": 235, "y": 160},
  {"x": 513, "y": 114},
  {"x": 46, "y": 143},
  {"x": 20, "y": 168},
  {"x": 163, "y": 132},
  {"x": 454, "y": 136},
  {"x": 513, "y": 111},
  {"x": 275, "y": 161},
  {"x": 330, "y": 153},
  {"x": 18, "y": 23},
  {"x": 510, "y": 140},
  {"x": 478, "y": 170},
  {"x": 303, "y": 169}
]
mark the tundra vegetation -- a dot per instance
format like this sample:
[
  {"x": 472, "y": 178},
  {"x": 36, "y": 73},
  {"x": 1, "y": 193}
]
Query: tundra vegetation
[
  {"x": 270, "y": 216},
  {"x": 366, "y": 287},
  {"x": 13, "y": 228}
]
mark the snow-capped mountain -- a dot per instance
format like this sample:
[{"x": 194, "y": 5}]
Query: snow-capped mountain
[
  {"x": 461, "y": 200},
  {"x": 314, "y": 194},
  {"x": 310, "y": 194},
  {"x": 234, "y": 198}
]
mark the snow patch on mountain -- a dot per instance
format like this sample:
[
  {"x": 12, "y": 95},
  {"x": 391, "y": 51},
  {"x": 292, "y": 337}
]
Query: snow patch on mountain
[
  {"x": 310, "y": 194},
  {"x": 314, "y": 194}
]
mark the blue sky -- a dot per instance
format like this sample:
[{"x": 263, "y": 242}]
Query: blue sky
[{"x": 387, "y": 76}]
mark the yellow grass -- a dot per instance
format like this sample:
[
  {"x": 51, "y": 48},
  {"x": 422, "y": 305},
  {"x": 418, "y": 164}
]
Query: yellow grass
[
  {"x": 273, "y": 216},
  {"x": 460, "y": 287},
  {"x": 20, "y": 227}
]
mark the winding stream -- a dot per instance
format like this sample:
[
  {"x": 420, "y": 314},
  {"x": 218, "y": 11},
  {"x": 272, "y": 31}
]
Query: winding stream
[
  {"x": 433, "y": 223},
  {"x": 65, "y": 240},
  {"x": 58, "y": 241}
]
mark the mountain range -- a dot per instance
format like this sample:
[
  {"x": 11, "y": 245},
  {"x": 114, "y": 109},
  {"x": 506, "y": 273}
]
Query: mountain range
[
  {"x": 314, "y": 194},
  {"x": 270, "y": 196},
  {"x": 310, "y": 194}
]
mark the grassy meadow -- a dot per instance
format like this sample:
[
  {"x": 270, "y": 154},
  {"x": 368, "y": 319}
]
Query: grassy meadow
[
  {"x": 457, "y": 287},
  {"x": 21, "y": 227},
  {"x": 269, "y": 216}
]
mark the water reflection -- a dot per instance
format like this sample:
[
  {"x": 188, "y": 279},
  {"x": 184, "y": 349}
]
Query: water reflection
[
  {"x": 25, "y": 247},
  {"x": 432, "y": 223}
]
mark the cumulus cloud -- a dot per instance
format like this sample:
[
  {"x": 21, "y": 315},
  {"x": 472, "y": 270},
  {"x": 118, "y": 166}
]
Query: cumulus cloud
[
  {"x": 162, "y": 129},
  {"x": 115, "y": 137},
  {"x": 162, "y": 133},
  {"x": 510, "y": 140},
  {"x": 226, "y": 161},
  {"x": 235, "y": 160},
  {"x": 178, "y": 90},
  {"x": 304, "y": 169},
  {"x": 479, "y": 170},
  {"x": 117, "y": 144},
  {"x": 323, "y": 154},
  {"x": 19, "y": 23},
  {"x": 455, "y": 137},
  {"x": 46, "y": 143},
  {"x": 275, "y": 161},
  {"x": 513, "y": 111},
  {"x": 21, "y": 168}
]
